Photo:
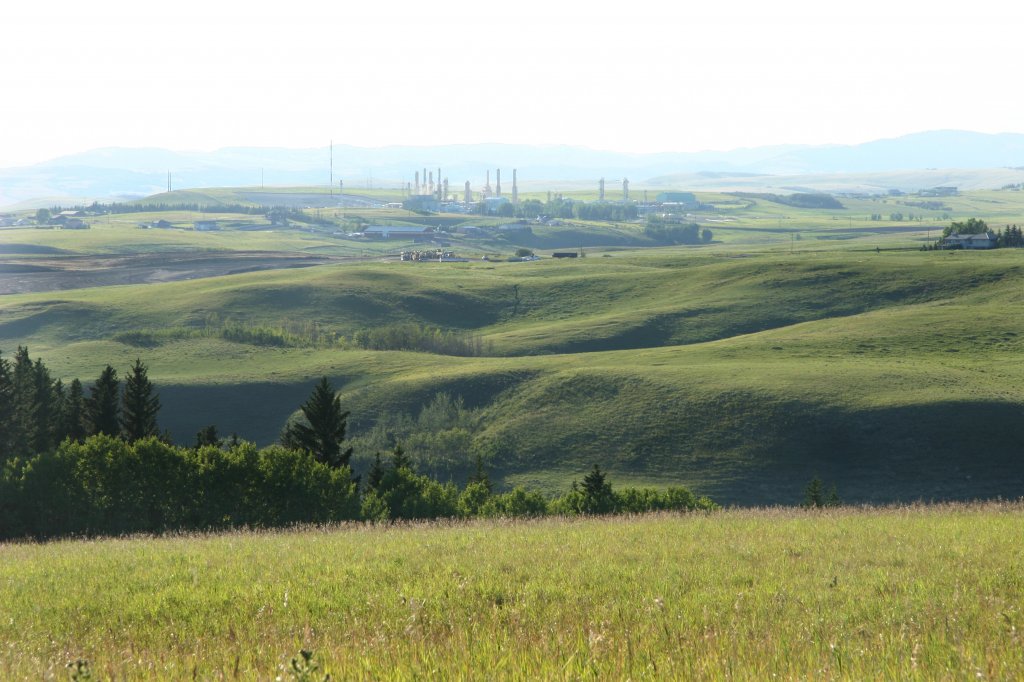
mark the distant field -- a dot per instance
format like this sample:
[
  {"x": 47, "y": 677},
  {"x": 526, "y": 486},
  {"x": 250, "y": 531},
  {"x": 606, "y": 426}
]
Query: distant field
[
  {"x": 801, "y": 342},
  {"x": 900, "y": 593},
  {"x": 738, "y": 373}
]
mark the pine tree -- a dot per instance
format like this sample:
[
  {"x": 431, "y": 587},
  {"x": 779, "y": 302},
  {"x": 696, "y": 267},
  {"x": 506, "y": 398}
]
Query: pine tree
[
  {"x": 23, "y": 385},
  {"x": 6, "y": 410},
  {"x": 103, "y": 407},
  {"x": 400, "y": 460},
  {"x": 323, "y": 428},
  {"x": 207, "y": 436},
  {"x": 814, "y": 494},
  {"x": 597, "y": 493},
  {"x": 141, "y": 404},
  {"x": 74, "y": 413},
  {"x": 45, "y": 409},
  {"x": 480, "y": 475},
  {"x": 376, "y": 473}
]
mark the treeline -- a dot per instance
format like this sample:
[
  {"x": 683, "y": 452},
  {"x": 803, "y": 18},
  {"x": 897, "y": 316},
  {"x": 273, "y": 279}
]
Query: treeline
[
  {"x": 562, "y": 208},
  {"x": 415, "y": 337},
  {"x": 108, "y": 486},
  {"x": 797, "y": 200},
  {"x": 163, "y": 207},
  {"x": 665, "y": 232},
  {"x": 1009, "y": 237},
  {"x": 402, "y": 336},
  {"x": 125, "y": 479},
  {"x": 38, "y": 412}
]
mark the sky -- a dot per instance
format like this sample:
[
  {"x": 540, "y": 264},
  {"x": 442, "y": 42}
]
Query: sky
[{"x": 635, "y": 76}]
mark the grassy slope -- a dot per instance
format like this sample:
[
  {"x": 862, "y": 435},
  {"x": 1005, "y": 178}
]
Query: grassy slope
[
  {"x": 740, "y": 376},
  {"x": 922, "y": 593}
]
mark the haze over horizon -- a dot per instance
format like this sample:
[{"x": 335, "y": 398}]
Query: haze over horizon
[{"x": 647, "y": 78}]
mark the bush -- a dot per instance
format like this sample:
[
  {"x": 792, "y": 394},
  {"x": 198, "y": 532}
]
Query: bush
[
  {"x": 517, "y": 503},
  {"x": 107, "y": 486}
]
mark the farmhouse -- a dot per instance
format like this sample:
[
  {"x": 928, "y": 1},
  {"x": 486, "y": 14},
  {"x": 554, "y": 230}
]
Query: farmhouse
[
  {"x": 398, "y": 232},
  {"x": 984, "y": 240},
  {"x": 564, "y": 254},
  {"x": 206, "y": 225}
]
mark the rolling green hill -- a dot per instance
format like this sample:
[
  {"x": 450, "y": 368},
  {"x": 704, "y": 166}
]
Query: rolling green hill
[{"x": 740, "y": 374}]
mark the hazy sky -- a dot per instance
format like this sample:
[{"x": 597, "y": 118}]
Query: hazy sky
[{"x": 628, "y": 76}]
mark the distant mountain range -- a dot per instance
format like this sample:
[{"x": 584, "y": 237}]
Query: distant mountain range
[{"x": 112, "y": 173}]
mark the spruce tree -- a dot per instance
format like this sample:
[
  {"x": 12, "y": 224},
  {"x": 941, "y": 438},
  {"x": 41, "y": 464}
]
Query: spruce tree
[
  {"x": 45, "y": 409},
  {"x": 400, "y": 460},
  {"x": 74, "y": 413},
  {"x": 208, "y": 436},
  {"x": 6, "y": 410},
  {"x": 597, "y": 493},
  {"x": 322, "y": 428},
  {"x": 141, "y": 404},
  {"x": 480, "y": 475},
  {"x": 103, "y": 406},
  {"x": 376, "y": 473},
  {"x": 814, "y": 494},
  {"x": 23, "y": 422}
]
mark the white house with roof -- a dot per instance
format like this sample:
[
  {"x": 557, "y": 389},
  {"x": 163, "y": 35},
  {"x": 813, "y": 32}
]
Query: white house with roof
[{"x": 983, "y": 240}]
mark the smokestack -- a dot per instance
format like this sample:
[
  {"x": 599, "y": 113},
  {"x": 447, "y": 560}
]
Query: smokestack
[
  {"x": 417, "y": 182},
  {"x": 430, "y": 184},
  {"x": 444, "y": 195},
  {"x": 468, "y": 196},
  {"x": 439, "y": 196},
  {"x": 600, "y": 190},
  {"x": 515, "y": 189},
  {"x": 497, "y": 185},
  {"x": 487, "y": 187},
  {"x": 625, "y": 189}
]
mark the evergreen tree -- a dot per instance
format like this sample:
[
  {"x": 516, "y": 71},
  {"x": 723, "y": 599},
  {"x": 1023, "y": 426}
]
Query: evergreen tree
[
  {"x": 102, "y": 407},
  {"x": 6, "y": 410},
  {"x": 323, "y": 428},
  {"x": 73, "y": 424},
  {"x": 60, "y": 408},
  {"x": 814, "y": 494},
  {"x": 480, "y": 475},
  {"x": 597, "y": 493},
  {"x": 400, "y": 460},
  {"x": 141, "y": 404},
  {"x": 45, "y": 409},
  {"x": 207, "y": 436},
  {"x": 23, "y": 420},
  {"x": 376, "y": 473}
]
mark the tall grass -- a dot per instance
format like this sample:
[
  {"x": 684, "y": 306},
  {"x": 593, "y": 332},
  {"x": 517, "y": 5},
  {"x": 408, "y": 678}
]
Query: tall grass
[{"x": 895, "y": 593}]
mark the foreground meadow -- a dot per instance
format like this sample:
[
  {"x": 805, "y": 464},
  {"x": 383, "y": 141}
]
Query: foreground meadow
[{"x": 894, "y": 593}]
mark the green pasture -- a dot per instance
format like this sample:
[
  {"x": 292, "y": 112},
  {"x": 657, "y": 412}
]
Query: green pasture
[
  {"x": 895, "y": 593},
  {"x": 740, "y": 374}
]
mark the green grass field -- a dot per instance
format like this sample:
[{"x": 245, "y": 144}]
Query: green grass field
[
  {"x": 899, "y": 593},
  {"x": 740, "y": 369}
]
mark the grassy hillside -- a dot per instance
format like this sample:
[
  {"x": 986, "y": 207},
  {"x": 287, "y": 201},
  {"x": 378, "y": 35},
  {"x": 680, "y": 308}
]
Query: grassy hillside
[
  {"x": 741, "y": 375},
  {"x": 903, "y": 593}
]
